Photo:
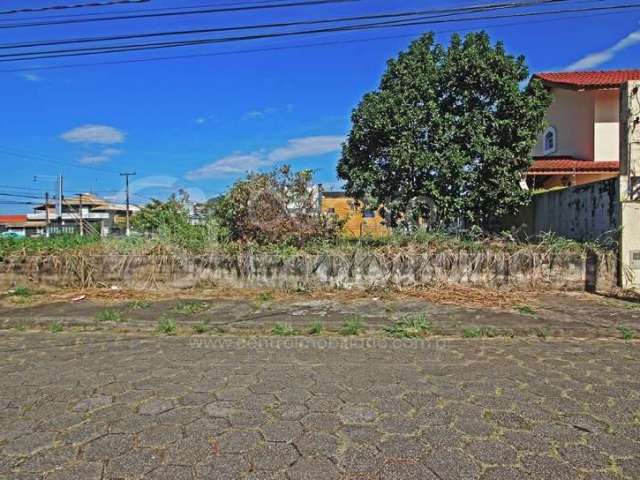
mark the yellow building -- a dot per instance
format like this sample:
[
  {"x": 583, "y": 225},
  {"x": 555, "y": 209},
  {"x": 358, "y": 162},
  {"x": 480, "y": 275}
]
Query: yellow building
[{"x": 357, "y": 222}]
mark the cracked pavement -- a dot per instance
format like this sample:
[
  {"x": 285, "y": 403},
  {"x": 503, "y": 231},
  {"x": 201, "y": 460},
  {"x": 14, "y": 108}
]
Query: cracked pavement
[{"x": 103, "y": 406}]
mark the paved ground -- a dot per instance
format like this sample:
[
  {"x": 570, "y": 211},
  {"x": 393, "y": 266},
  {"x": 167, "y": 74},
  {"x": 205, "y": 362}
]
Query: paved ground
[
  {"x": 551, "y": 315},
  {"x": 102, "y": 406}
]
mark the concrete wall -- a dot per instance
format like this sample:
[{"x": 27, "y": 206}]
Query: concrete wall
[
  {"x": 526, "y": 269},
  {"x": 572, "y": 114}
]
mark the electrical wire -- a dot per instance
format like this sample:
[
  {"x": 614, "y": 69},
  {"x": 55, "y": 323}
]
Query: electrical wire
[
  {"x": 219, "y": 40},
  {"x": 264, "y": 6},
  {"x": 66, "y": 7}
]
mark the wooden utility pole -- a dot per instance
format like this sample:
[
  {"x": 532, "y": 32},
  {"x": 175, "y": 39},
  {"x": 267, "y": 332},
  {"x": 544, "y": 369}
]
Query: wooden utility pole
[
  {"x": 126, "y": 175},
  {"x": 46, "y": 214},
  {"x": 81, "y": 215}
]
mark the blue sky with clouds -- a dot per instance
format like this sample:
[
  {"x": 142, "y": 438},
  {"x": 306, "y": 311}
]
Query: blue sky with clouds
[{"x": 198, "y": 123}]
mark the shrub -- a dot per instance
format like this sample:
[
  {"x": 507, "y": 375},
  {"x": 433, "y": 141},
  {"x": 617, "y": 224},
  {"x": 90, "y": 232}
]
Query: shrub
[
  {"x": 109, "y": 315},
  {"x": 409, "y": 327}
]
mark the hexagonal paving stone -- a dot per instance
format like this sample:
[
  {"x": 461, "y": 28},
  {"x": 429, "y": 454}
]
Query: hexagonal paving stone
[
  {"x": 452, "y": 464},
  {"x": 155, "y": 406},
  {"x": 171, "y": 472},
  {"x": 324, "y": 422},
  {"x": 357, "y": 414},
  {"x": 583, "y": 457},
  {"x": 324, "y": 404},
  {"x": 78, "y": 471},
  {"x": 133, "y": 464},
  {"x": 312, "y": 444},
  {"x": 544, "y": 467},
  {"x": 273, "y": 456},
  {"x": 288, "y": 411},
  {"x": 237, "y": 441},
  {"x": 49, "y": 459},
  {"x": 281, "y": 431},
  {"x": 400, "y": 447},
  {"x": 492, "y": 452},
  {"x": 504, "y": 473},
  {"x": 363, "y": 461},
  {"x": 314, "y": 469},
  {"x": 29, "y": 444},
  {"x": 92, "y": 403},
  {"x": 109, "y": 446},
  {"x": 159, "y": 436},
  {"x": 189, "y": 451},
  {"x": 223, "y": 467},
  {"x": 407, "y": 471},
  {"x": 398, "y": 424}
]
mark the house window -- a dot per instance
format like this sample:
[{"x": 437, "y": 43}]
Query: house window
[{"x": 550, "y": 140}]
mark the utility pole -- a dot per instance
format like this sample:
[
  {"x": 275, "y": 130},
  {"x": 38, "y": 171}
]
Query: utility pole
[
  {"x": 81, "y": 215},
  {"x": 126, "y": 175},
  {"x": 46, "y": 213},
  {"x": 60, "y": 197}
]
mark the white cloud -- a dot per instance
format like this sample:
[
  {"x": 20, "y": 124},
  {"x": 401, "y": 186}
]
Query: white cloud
[
  {"x": 596, "y": 59},
  {"x": 31, "y": 77},
  {"x": 100, "y": 134},
  {"x": 200, "y": 120},
  {"x": 239, "y": 163},
  {"x": 306, "y": 147},
  {"x": 94, "y": 159},
  {"x": 260, "y": 113},
  {"x": 111, "y": 152},
  {"x": 232, "y": 164}
]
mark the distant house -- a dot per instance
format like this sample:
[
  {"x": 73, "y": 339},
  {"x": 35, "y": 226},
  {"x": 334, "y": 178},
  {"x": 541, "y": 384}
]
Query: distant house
[
  {"x": 358, "y": 222},
  {"x": 581, "y": 141},
  {"x": 96, "y": 216}
]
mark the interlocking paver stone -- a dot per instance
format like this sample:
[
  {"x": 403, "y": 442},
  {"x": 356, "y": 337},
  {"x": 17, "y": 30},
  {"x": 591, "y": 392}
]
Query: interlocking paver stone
[{"x": 83, "y": 406}]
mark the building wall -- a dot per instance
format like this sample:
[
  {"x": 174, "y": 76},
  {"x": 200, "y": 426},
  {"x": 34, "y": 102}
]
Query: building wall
[
  {"x": 606, "y": 127},
  {"x": 572, "y": 114},
  {"x": 557, "y": 180},
  {"x": 350, "y": 212}
]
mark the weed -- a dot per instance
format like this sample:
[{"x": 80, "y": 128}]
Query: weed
[
  {"x": 109, "y": 315},
  {"x": 475, "y": 332},
  {"x": 353, "y": 326},
  {"x": 627, "y": 333},
  {"x": 265, "y": 296},
  {"x": 139, "y": 305},
  {"x": 410, "y": 326},
  {"x": 316, "y": 328},
  {"x": 56, "y": 327},
  {"x": 283, "y": 330},
  {"x": 543, "y": 332},
  {"x": 20, "y": 327},
  {"x": 525, "y": 309},
  {"x": 190, "y": 308},
  {"x": 167, "y": 325},
  {"x": 21, "y": 291},
  {"x": 200, "y": 328}
]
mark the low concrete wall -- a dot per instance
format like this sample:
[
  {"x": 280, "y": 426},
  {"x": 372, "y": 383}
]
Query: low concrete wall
[
  {"x": 521, "y": 270},
  {"x": 585, "y": 212}
]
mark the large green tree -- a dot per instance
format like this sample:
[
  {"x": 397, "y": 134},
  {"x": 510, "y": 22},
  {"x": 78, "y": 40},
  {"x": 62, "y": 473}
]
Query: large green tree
[{"x": 448, "y": 134}]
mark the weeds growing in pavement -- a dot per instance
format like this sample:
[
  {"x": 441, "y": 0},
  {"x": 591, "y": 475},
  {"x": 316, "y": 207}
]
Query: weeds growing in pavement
[
  {"x": 139, "y": 305},
  {"x": 21, "y": 291},
  {"x": 410, "y": 326},
  {"x": 109, "y": 315},
  {"x": 283, "y": 330},
  {"x": 627, "y": 333},
  {"x": 200, "y": 328},
  {"x": 525, "y": 309},
  {"x": 56, "y": 327},
  {"x": 316, "y": 328},
  {"x": 184, "y": 307},
  {"x": 477, "y": 332},
  {"x": 353, "y": 326},
  {"x": 265, "y": 296},
  {"x": 167, "y": 325}
]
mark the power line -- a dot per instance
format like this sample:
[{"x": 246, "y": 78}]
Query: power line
[
  {"x": 51, "y": 160},
  {"x": 293, "y": 47},
  {"x": 264, "y": 6},
  {"x": 434, "y": 13},
  {"x": 66, "y": 7},
  {"x": 18, "y": 196},
  {"x": 358, "y": 27}
]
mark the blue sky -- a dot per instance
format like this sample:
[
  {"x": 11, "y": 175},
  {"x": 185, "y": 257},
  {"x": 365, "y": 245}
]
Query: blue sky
[{"x": 198, "y": 123}]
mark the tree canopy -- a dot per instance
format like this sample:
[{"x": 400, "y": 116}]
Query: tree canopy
[{"x": 447, "y": 135}]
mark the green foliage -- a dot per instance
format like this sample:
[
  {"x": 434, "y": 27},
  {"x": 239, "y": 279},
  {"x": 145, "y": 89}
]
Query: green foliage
[
  {"x": 56, "y": 327},
  {"x": 167, "y": 325},
  {"x": 20, "y": 327},
  {"x": 316, "y": 328},
  {"x": 42, "y": 246},
  {"x": 109, "y": 315},
  {"x": 525, "y": 309},
  {"x": 627, "y": 333},
  {"x": 265, "y": 296},
  {"x": 21, "y": 291},
  {"x": 200, "y": 328},
  {"x": 278, "y": 207},
  {"x": 353, "y": 326},
  {"x": 283, "y": 330},
  {"x": 447, "y": 135},
  {"x": 409, "y": 327},
  {"x": 475, "y": 332},
  {"x": 139, "y": 305},
  {"x": 184, "y": 307}
]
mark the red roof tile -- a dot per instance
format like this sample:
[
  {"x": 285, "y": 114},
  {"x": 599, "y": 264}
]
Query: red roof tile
[
  {"x": 7, "y": 219},
  {"x": 589, "y": 80},
  {"x": 561, "y": 165}
]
